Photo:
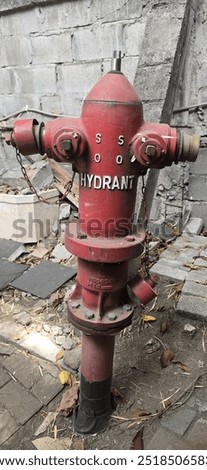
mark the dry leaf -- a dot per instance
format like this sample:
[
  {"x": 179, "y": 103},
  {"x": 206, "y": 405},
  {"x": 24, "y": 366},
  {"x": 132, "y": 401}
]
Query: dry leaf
[
  {"x": 17, "y": 337},
  {"x": 118, "y": 394},
  {"x": 72, "y": 379},
  {"x": 64, "y": 377},
  {"x": 78, "y": 444},
  {"x": 57, "y": 302},
  {"x": 138, "y": 413},
  {"x": 182, "y": 366},
  {"x": 59, "y": 355},
  {"x": 193, "y": 266},
  {"x": 68, "y": 401},
  {"x": 137, "y": 441},
  {"x": 147, "y": 318},
  {"x": 176, "y": 291},
  {"x": 166, "y": 357},
  {"x": 48, "y": 443},
  {"x": 51, "y": 416},
  {"x": 56, "y": 299},
  {"x": 40, "y": 252},
  {"x": 164, "y": 326}
]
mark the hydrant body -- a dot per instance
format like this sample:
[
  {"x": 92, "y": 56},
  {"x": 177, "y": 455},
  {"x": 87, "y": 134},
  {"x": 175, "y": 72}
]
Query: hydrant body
[{"x": 110, "y": 146}]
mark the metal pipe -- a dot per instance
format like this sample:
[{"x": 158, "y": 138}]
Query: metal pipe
[
  {"x": 116, "y": 61},
  {"x": 190, "y": 108}
]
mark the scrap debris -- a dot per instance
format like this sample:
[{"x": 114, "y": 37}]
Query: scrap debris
[{"x": 68, "y": 401}]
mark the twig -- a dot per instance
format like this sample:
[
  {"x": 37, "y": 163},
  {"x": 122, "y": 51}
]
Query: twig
[
  {"x": 153, "y": 306},
  {"x": 203, "y": 340},
  {"x": 192, "y": 384},
  {"x": 156, "y": 337},
  {"x": 13, "y": 378},
  {"x": 168, "y": 398},
  {"x": 71, "y": 440},
  {"x": 172, "y": 406}
]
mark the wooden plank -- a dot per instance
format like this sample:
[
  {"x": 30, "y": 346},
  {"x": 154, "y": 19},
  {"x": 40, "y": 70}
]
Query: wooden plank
[
  {"x": 63, "y": 176},
  {"x": 70, "y": 196}
]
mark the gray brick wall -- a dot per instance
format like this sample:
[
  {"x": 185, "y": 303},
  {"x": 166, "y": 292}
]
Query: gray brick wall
[
  {"x": 52, "y": 52},
  {"x": 192, "y": 90}
]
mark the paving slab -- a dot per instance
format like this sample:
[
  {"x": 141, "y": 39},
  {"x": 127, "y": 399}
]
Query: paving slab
[
  {"x": 6, "y": 349},
  {"x": 43, "y": 279},
  {"x": 199, "y": 276},
  {"x": 191, "y": 241},
  {"x": 196, "y": 436},
  {"x": 164, "y": 439},
  {"x": 201, "y": 401},
  {"x": 10, "y": 271},
  {"x": 178, "y": 263},
  {"x": 23, "y": 368},
  {"x": 201, "y": 262},
  {"x": 52, "y": 369},
  {"x": 32, "y": 342},
  {"x": 42, "y": 347},
  {"x": 11, "y": 332},
  {"x": 165, "y": 269},
  {"x": 181, "y": 256},
  {"x": 4, "y": 377},
  {"x": 47, "y": 388},
  {"x": 193, "y": 306},
  {"x": 10, "y": 249},
  {"x": 170, "y": 253},
  {"x": 203, "y": 253},
  {"x": 179, "y": 420},
  {"x": 194, "y": 288},
  {"x": 24, "y": 406},
  {"x": 8, "y": 425}
]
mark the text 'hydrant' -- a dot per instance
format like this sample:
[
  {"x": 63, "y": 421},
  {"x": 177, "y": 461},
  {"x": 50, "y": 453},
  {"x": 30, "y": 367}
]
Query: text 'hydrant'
[{"x": 110, "y": 146}]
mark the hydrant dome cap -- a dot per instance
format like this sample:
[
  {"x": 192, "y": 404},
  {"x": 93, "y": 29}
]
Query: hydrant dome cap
[{"x": 113, "y": 87}]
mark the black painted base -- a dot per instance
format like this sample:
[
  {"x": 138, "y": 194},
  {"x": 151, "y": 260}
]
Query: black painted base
[{"x": 95, "y": 407}]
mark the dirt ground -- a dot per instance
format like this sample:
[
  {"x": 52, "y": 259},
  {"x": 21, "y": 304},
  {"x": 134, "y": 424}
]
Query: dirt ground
[{"x": 143, "y": 390}]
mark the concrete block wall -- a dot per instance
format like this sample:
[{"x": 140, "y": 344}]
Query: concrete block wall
[
  {"x": 192, "y": 90},
  {"x": 52, "y": 52},
  {"x": 167, "y": 35}
]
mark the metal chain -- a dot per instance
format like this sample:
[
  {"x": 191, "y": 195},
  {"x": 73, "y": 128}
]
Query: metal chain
[
  {"x": 68, "y": 186},
  {"x": 146, "y": 261}
]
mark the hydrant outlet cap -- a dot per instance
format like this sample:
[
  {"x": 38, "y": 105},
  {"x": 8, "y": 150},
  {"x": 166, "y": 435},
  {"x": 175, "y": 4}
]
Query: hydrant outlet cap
[{"x": 188, "y": 148}]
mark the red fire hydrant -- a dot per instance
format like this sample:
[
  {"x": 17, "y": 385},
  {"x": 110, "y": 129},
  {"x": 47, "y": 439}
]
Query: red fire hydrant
[{"x": 110, "y": 146}]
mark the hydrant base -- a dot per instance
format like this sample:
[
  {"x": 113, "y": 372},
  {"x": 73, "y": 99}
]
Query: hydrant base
[{"x": 95, "y": 407}]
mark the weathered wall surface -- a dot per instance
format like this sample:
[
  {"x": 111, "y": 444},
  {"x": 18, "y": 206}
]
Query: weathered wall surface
[
  {"x": 52, "y": 52},
  {"x": 167, "y": 36},
  {"x": 193, "y": 91}
]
